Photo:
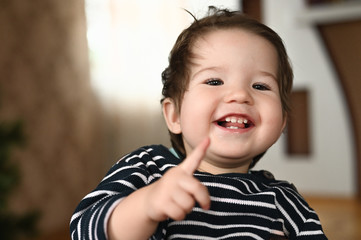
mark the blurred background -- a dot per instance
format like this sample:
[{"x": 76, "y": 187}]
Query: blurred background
[{"x": 80, "y": 86}]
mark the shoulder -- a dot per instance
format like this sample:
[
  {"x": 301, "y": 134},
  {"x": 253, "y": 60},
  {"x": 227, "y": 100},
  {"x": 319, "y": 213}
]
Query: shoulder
[
  {"x": 149, "y": 158},
  {"x": 148, "y": 162},
  {"x": 148, "y": 153},
  {"x": 269, "y": 179},
  {"x": 288, "y": 199}
]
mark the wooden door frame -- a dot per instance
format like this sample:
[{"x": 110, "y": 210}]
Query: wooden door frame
[{"x": 347, "y": 78}]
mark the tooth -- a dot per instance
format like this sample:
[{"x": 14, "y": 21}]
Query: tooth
[
  {"x": 233, "y": 127},
  {"x": 236, "y": 120}
]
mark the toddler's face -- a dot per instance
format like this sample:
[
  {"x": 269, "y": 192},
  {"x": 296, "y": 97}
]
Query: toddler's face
[{"x": 233, "y": 97}]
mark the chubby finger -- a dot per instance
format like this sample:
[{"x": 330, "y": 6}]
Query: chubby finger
[
  {"x": 184, "y": 200},
  {"x": 192, "y": 162},
  {"x": 198, "y": 191}
]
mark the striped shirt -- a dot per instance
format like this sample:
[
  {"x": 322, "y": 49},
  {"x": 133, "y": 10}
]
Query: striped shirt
[{"x": 243, "y": 206}]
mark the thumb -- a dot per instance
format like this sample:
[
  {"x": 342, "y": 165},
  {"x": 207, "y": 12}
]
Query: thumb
[{"x": 193, "y": 160}]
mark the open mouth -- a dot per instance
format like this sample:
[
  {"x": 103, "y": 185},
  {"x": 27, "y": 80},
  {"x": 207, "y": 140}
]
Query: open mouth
[{"x": 235, "y": 123}]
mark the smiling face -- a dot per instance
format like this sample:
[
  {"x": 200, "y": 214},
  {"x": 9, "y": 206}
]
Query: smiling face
[{"x": 232, "y": 97}]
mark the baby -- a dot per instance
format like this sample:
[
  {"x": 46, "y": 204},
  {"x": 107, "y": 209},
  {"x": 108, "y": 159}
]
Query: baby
[{"x": 225, "y": 102}]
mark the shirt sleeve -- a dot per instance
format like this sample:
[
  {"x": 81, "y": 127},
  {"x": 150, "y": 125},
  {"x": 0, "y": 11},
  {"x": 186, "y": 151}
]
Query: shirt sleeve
[{"x": 90, "y": 218}]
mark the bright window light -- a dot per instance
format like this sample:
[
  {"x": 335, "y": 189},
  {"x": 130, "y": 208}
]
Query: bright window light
[{"x": 129, "y": 43}]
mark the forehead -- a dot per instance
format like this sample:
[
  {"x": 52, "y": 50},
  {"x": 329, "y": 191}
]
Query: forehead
[{"x": 234, "y": 46}]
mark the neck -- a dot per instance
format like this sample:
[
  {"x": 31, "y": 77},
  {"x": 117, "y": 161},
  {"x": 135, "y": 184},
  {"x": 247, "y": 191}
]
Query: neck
[{"x": 215, "y": 170}]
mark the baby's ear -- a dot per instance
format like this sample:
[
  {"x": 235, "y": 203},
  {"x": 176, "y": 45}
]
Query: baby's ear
[{"x": 171, "y": 116}]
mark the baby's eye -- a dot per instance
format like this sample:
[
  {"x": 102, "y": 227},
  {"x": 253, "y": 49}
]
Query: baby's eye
[
  {"x": 261, "y": 86},
  {"x": 214, "y": 82}
]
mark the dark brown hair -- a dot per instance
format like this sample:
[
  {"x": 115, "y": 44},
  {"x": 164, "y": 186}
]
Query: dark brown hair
[{"x": 175, "y": 77}]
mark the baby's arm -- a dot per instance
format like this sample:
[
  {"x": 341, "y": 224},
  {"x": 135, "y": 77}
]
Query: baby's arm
[{"x": 173, "y": 196}]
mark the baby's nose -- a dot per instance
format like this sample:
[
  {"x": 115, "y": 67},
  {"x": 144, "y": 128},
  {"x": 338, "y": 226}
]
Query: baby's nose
[{"x": 239, "y": 95}]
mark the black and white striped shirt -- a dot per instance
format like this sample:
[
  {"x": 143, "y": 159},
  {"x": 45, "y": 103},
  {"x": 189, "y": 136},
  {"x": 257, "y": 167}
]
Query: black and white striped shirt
[{"x": 244, "y": 206}]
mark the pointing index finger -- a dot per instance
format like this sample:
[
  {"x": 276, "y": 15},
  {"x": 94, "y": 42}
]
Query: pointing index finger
[{"x": 193, "y": 160}]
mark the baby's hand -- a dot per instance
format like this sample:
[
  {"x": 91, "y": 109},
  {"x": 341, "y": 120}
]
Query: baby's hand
[{"x": 175, "y": 194}]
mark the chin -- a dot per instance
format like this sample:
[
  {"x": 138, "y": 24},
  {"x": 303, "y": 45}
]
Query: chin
[{"x": 230, "y": 156}]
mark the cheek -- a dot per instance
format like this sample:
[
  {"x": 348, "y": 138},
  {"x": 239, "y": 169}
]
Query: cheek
[
  {"x": 190, "y": 112},
  {"x": 274, "y": 117},
  {"x": 195, "y": 116}
]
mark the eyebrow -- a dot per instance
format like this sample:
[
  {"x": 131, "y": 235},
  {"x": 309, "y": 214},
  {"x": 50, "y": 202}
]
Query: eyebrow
[
  {"x": 268, "y": 74},
  {"x": 206, "y": 69}
]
